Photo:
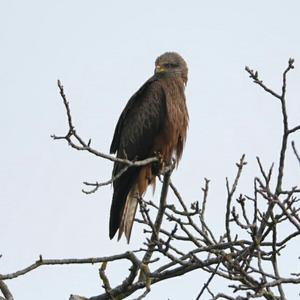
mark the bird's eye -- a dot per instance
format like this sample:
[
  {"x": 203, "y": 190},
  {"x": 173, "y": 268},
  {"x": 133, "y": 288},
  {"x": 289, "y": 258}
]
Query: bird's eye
[{"x": 170, "y": 65}]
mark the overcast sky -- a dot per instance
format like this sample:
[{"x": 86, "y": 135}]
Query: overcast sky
[{"x": 103, "y": 52}]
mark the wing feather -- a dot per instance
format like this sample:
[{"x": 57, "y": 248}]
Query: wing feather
[{"x": 139, "y": 124}]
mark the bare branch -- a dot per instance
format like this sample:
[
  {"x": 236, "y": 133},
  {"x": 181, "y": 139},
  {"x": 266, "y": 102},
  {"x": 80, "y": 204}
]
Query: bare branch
[
  {"x": 97, "y": 185},
  {"x": 106, "y": 284},
  {"x": 254, "y": 76},
  {"x": 230, "y": 193},
  {"x": 159, "y": 217},
  {"x": 5, "y": 291},
  {"x": 93, "y": 260},
  {"x": 205, "y": 286},
  {"x": 296, "y": 152}
]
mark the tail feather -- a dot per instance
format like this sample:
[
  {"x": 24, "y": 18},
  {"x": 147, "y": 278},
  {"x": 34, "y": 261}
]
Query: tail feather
[
  {"x": 129, "y": 214},
  {"x": 127, "y": 190},
  {"x": 122, "y": 187}
]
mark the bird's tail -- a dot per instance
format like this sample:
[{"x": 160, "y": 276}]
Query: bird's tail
[
  {"x": 129, "y": 213},
  {"x": 137, "y": 190}
]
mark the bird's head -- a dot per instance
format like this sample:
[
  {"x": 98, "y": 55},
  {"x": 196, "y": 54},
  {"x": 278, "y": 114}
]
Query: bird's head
[{"x": 171, "y": 64}]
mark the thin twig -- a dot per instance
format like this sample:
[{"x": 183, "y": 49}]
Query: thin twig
[
  {"x": 230, "y": 193},
  {"x": 205, "y": 286},
  {"x": 97, "y": 185},
  {"x": 295, "y": 152}
]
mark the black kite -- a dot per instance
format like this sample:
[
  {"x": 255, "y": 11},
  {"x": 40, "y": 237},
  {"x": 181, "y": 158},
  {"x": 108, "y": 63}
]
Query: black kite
[{"x": 154, "y": 122}]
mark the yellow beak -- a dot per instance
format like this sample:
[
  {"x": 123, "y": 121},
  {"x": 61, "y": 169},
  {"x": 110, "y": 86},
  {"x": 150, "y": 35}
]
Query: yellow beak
[{"x": 159, "y": 69}]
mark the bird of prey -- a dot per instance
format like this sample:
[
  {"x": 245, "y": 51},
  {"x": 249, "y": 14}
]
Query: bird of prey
[{"x": 153, "y": 123}]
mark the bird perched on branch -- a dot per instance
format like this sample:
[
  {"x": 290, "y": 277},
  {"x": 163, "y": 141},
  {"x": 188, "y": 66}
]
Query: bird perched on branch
[{"x": 153, "y": 123}]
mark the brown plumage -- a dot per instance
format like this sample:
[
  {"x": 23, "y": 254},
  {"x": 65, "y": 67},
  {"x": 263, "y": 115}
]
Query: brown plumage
[{"x": 154, "y": 122}]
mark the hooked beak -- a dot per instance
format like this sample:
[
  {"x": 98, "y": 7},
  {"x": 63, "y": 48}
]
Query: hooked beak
[{"x": 159, "y": 69}]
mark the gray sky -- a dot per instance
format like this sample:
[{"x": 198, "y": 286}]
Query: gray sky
[{"x": 102, "y": 52}]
